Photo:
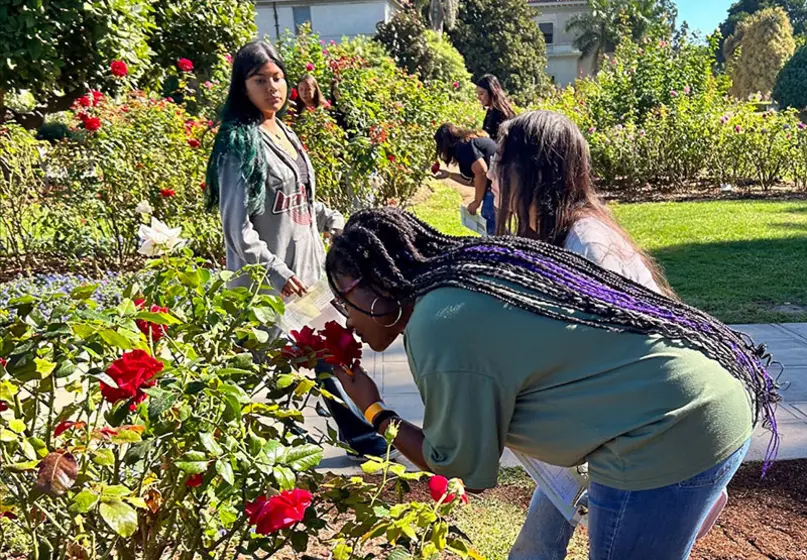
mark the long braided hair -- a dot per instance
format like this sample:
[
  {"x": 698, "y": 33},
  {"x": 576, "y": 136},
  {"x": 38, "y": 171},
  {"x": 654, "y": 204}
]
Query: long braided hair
[{"x": 399, "y": 256}]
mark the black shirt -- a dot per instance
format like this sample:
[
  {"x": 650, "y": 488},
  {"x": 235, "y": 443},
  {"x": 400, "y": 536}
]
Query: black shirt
[
  {"x": 493, "y": 120},
  {"x": 470, "y": 151}
]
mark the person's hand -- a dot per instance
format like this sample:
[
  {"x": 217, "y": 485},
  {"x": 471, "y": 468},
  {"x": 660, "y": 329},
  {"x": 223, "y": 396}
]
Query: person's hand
[
  {"x": 358, "y": 385},
  {"x": 473, "y": 207},
  {"x": 293, "y": 287}
]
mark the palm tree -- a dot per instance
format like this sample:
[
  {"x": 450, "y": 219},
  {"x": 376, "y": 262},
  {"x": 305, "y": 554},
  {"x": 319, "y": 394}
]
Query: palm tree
[{"x": 598, "y": 31}]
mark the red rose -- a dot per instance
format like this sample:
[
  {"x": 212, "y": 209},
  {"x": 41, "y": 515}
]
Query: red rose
[
  {"x": 167, "y": 193},
  {"x": 97, "y": 97},
  {"x": 118, "y": 68},
  {"x": 62, "y": 427},
  {"x": 309, "y": 67},
  {"x": 391, "y": 158},
  {"x": 436, "y": 167},
  {"x": 293, "y": 95},
  {"x": 438, "y": 486},
  {"x": 194, "y": 481},
  {"x": 306, "y": 342},
  {"x": 203, "y": 185},
  {"x": 342, "y": 347},
  {"x": 3, "y": 362},
  {"x": 3, "y": 406},
  {"x": 228, "y": 58},
  {"x": 278, "y": 512},
  {"x": 185, "y": 65},
  {"x": 194, "y": 143},
  {"x": 456, "y": 85},
  {"x": 84, "y": 101},
  {"x": 132, "y": 372},
  {"x": 92, "y": 123},
  {"x": 152, "y": 330}
]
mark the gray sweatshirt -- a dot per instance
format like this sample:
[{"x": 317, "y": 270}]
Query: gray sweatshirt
[{"x": 286, "y": 238}]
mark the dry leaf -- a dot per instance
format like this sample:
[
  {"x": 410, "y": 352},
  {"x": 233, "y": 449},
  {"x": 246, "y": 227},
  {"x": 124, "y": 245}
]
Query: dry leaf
[{"x": 57, "y": 473}]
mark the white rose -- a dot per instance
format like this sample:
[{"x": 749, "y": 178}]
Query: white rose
[
  {"x": 144, "y": 208},
  {"x": 158, "y": 239}
]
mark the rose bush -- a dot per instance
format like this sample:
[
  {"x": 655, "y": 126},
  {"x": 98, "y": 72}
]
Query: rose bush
[{"x": 115, "y": 442}]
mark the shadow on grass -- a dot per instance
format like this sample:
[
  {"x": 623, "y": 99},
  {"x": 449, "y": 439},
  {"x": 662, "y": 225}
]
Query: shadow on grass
[{"x": 740, "y": 281}]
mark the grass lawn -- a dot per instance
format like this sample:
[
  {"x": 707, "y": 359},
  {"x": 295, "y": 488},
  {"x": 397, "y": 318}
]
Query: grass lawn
[{"x": 744, "y": 261}]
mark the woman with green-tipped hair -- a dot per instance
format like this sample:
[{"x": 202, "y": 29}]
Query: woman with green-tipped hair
[{"x": 262, "y": 182}]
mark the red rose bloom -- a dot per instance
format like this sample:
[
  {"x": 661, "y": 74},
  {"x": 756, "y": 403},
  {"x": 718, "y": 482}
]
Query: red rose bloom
[
  {"x": 84, "y": 101},
  {"x": 97, "y": 97},
  {"x": 278, "y": 512},
  {"x": 194, "y": 143},
  {"x": 132, "y": 372},
  {"x": 391, "y": 158},
  {"x": 194, "y": 481},
  {"x": 92, "y": 123},
  {"x": 167, "y": 193},
  {"x": 118, "y": 68},
  {"x": 309, "y": 67},
  {"x": 436, "y": 168},
  {"x": 438, "y": 486},
  {"x": 342, "y": 347},
  {"x": 203, "y": 185},
  {"x": 3, "y": 362},
  {"x": 293, "y": 96},
  {"x": 152, "y": 330},
  {"x": 3, "y": 406},
  {"x": 306, "y": 341},
  {"x": 62, "y": 427},
  {"x": 185, "y": 65}
]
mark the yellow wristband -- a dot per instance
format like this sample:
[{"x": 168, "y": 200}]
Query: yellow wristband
[{"x": 373, "y": 410}]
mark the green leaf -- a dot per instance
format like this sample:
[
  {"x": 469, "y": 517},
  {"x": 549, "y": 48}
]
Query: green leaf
[
  {"x": 225, "y": 469},
  {"x": 7, "y": 436},
  {"x": 126, "y": 307},
  {"x": 7, "y": 391},
  {"x": 160, "y": 401},
  {"x": 83, "y": 331},
  {"x": 439, "y": 534},
  {"x": 235, "y": 391},
  {"x": 26, "y": 466},
  {"x": 275, "y": 452},
  {"x": 83, "y": 292},
  {"x": 28, "y": 450},
  {"x": 399, "y": 554},
  {"x": 160, "y": 318},
  {"x": 285, "y": 380},
  {"x": 120, "y": 517},
  {"x": 114, "y": 338},
  {"x": 372, "y": 467},
  {"x": 104, "y": 457},
  {"x": 264, "y": 315},
  {"x": 44, "y": 367},
  {"x": 232, "y": 408},
  {"x": 16, "y": 425},
  {"x": 126, "y": 436},
  {"x": 209, "y": 443},
  {"x": 139, "y": 503},
  {"x": 84, "y": 501},
  {"x": 192, "y": 467},
  {"x": 304, "y": 387},
  {"x": 284, "y": 477},
  {"x": 115, "y": 492},
  {"x": 260, "y": 335}
]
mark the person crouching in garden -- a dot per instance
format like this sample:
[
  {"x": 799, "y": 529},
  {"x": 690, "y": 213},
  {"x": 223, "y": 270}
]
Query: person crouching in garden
[
  {"x": 262, "y": 182},
  {"x": 471, "y": 151},
  {"x": 514, "y": 342}
]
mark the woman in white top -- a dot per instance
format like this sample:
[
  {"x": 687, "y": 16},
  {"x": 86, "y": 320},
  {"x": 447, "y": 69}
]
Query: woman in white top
[{"x": 549, "y": 195}]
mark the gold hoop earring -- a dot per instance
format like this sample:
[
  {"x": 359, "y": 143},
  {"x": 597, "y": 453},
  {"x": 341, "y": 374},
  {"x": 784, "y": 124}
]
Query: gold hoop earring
[{"x": 375, "y": 318}]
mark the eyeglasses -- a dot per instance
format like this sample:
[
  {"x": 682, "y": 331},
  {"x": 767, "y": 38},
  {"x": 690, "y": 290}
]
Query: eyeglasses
[{"x": 339, "y": 301}]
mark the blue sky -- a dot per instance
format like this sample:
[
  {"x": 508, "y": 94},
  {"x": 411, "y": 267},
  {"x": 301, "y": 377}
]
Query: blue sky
[{"x": 703, "y": 15}]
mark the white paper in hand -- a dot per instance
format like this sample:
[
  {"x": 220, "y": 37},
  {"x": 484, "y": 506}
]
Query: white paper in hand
[
  {"x": 314, "y": 309},
  {"x": 473, "y": 222}
]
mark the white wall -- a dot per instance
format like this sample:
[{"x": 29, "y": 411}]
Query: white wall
[{"x": 332, "y": 21}]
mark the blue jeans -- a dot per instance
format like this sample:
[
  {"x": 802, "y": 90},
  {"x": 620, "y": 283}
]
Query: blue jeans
[
  {"x": 489, "y": 212},
  {"x": 661, "y": 524}
]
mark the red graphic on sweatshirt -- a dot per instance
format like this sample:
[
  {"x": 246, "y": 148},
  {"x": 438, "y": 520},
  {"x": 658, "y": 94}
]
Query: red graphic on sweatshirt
[{"x": 295, "y": 204}]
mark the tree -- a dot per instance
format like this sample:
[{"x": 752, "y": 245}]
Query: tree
[
  {"x": 443, "y": 14},
  {"x": 58, "y": 49},
  {"x": 789, "y": 90},
  {"x": 796, "y": 10},
  {"x": 600, "y": 30},
  {"x": 501, "y": 37},
  {"x": 758, "y": 50}
]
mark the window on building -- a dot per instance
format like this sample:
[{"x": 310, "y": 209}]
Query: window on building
[
  {"x": 302, "y": 15},
  {"x": 548, "y": 29}
]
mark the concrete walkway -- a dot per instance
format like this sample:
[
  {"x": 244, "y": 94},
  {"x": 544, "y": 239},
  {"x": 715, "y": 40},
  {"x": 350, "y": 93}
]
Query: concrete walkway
[{"x": 786, "y": 342}]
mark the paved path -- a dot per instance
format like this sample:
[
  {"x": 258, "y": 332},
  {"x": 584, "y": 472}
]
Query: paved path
[{"x": 786, "y": 342}]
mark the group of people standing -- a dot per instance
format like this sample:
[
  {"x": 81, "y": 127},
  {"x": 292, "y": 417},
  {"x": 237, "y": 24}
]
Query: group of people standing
[{"x": 556, "y": 336}]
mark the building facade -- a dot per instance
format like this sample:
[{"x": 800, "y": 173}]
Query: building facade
[
  {"x": 331, "y": 19},
  {"x": 564, "y": 62}
]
